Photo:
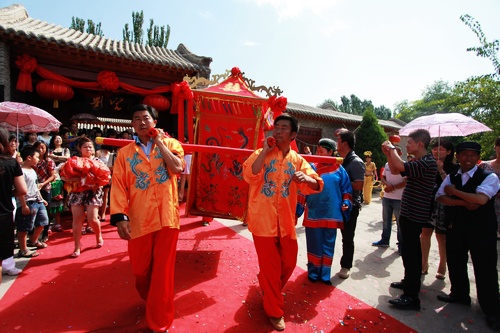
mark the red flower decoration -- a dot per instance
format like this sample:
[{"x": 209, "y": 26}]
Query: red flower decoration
[
  {"x": 26, "y": 63},
  {"x": 278, "y": 105},
  {"x": 108, "y": 80},
  {"x": 235, "y": 71}
]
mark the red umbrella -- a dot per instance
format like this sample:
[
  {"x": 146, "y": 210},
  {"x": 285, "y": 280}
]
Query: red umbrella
[{"x": 26, "y": 118}]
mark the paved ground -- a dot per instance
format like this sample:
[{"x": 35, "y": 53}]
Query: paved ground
[{"x": 374, "y": 269}]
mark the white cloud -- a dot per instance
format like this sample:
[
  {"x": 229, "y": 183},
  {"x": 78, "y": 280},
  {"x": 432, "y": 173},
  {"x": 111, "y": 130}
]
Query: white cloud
[
  {"x": 250, "y": 43},
  {"x": 288, "y": 9},
  {"x": 329, "y": 28},
  {"x": 206, "y": 15}
]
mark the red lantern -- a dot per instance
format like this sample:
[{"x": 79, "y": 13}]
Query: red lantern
[
  {"x": 394, "y": 138},
  {"x": 159, "y": 102},
  {"x": 54, "y": 90}
]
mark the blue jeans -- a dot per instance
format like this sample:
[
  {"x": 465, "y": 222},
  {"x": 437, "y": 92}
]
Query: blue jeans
[
  {"x": 390, "y": 207},
  {"x": 37, "y": 218}
]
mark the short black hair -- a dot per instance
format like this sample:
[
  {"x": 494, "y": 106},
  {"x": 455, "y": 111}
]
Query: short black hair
[
  {"x": 421, "y": 135},
  {"x": 28, "y": 151},
  {"x": 111, "y": 131},
  {"x": 347, "y": 136},
  {"x": 144, "y": 107},
  {"x": 286, "y": 116}
]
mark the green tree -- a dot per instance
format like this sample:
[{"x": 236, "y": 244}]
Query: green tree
[
  {"x": 370, "y": 136},
  {"x": 77, "y": 24},
  {"x": 345, "y": 105},
  {"x": 92, "y": 28},
  {"x": 479, "y": 96},
  {"x": 134, "y": 35},
  {"x": 382, "y": 112},
  {"x": 157, "y": 36},
  {"x": 487, "y": 49},
  {"x": 434, "y": 100},
  {"x": 354, "y": 105}
]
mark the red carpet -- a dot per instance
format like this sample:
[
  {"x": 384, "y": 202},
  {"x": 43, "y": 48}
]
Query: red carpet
[{"x": 216, "y": 286}]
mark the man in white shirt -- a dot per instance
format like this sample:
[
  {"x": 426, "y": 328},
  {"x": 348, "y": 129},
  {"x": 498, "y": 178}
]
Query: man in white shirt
[{"x": 472, "y": 227}]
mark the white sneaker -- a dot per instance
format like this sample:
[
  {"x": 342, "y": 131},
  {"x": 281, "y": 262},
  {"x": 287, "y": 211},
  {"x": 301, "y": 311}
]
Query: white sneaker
[
  {"x": 344, "y": 273},
  {"x": 12, "y": 272}
]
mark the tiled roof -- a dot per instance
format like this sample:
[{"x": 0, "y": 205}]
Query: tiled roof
[
  {"x": 310, "y": 112},
  {"x": 15, "y": 22}
]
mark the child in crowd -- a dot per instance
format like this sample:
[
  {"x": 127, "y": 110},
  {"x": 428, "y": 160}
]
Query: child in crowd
[
  {"x": 31, "y": 212},
  {"x": 45, "y": 172},
  {"x": 56, "y": 205}
]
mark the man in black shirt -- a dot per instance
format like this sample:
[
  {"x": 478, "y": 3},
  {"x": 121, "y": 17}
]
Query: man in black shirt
[{"x": 355, "y": 168}]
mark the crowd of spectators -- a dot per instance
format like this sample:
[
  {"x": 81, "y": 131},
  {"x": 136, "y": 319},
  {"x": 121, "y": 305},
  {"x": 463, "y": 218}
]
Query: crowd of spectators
[{"x": 53, "y": 149}]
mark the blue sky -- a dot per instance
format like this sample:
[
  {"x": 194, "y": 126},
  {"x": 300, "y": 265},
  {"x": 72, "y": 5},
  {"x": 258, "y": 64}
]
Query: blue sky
[{"x": 386, "y": 50}]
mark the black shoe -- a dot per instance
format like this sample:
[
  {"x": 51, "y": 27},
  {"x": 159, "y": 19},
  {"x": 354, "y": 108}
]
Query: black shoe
[
  {"x": 405, "y": 302},
  {"x": 493, "y": 322},
  {"x": 398, "y": 285},
  {"x": 327, "y": 282},
  {"x": 452, "y": 299},
  {"x": 311, "y": 279}
]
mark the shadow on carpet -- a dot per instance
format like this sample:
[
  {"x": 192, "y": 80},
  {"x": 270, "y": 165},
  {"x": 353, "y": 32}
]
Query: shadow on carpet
[{"x": 216, "y": 290}]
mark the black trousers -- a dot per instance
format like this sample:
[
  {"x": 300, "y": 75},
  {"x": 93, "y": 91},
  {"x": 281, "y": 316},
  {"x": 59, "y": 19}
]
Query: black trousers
[
  {"x": 479, "y": 238},
  {"x": 411, "y": 253},
  {"x": 348, "y": 239}
]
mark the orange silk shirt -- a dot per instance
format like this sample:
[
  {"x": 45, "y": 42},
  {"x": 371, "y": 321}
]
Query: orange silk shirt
[
  {"x": 272, "y": 196},
  {"x": 144, "y": 190}
]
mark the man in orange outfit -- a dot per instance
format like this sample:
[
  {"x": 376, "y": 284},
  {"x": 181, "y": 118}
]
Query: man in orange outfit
[
  {"x": 276, "y": 173},
  {"x": 145, "y": 209}
]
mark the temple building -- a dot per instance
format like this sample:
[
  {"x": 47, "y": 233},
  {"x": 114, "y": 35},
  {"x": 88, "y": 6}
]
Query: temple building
[{"x": 70, "y": 74}]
